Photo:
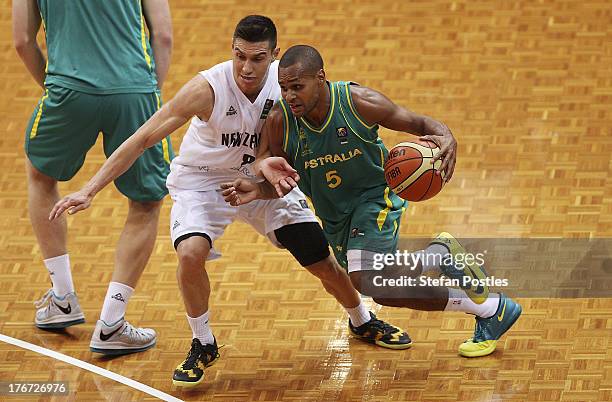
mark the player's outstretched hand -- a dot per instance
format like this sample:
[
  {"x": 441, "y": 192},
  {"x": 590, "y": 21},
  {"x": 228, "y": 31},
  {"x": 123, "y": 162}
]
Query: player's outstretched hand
[
  {"x": 243, "y": 191},
  {"x": 280, "y": 174},
  {"x": 74, "y": 203},
  {"x": 445, "y": 140}
]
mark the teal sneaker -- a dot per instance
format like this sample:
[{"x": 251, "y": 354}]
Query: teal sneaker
[
  {"x": 479, "y": 293},
  {"x": 489, "y": 330}
]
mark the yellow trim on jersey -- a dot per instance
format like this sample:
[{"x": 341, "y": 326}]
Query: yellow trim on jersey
[
  {"x": 297, "y": 150},
  {"x": 42, "y": 20},
  {"x": 143, "y": 36},
  {"x": 346, "y": 120},
  {"x": 350, "y": 102},
  {"x": 329, "y": 116},
  {"x": 382, "y": 215},
  {"x": 38, "y": 115},
  {"x": 286, "y": 118}
]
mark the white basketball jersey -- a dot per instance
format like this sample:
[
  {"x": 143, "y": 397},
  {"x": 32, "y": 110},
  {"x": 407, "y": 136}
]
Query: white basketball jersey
[{"x": 225, "y": 144}]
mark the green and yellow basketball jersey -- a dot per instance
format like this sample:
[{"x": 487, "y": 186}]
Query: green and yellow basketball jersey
[
  {"x": 98, "y": 46},
  {"x": 340, "y": 163}
]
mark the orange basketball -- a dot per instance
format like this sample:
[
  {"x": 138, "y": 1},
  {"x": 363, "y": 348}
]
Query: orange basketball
[{"x": 409, "y": 172}]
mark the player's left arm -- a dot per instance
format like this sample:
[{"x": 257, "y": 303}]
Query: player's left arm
[
  {"x": 376, "y": 108},
  {"x": 26, "y": 22},
  {"x": 159, "y": 23}
]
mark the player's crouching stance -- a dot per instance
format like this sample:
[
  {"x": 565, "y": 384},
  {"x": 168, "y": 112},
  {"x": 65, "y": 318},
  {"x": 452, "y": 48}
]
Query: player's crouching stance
[{"x": 317, "y": 119}]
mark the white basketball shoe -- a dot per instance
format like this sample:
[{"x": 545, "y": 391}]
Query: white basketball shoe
[
  {"x": 58, "y": 312},
  {"x": 121, "y": 338}
]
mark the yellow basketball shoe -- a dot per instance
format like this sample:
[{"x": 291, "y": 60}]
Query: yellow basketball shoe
[
  {"x": 489, "y": 330},
  {"x": 191, "y": 371},
  {"x": 381, "y": 333},
  {"x": 460, "y": 268}
]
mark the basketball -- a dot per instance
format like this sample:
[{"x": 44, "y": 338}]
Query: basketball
[{"x": 409, "y": 172}]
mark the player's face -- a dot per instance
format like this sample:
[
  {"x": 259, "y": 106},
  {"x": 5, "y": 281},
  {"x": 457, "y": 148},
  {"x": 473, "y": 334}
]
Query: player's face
[
  {"x": 251, "y": 61},
  {"x": 301, "y": 90}
]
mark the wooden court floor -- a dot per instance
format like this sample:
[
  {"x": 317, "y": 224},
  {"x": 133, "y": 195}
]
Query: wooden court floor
[{"x": 526, "y": 86}]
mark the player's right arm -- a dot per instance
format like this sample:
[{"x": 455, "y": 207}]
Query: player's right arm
[
  {"x": 194, "y": 98},
  {"x": 26, "y": 22},
  {"x": 272, "y": 162},
  {"x": 271, "y": 133},
  {"x": 159, "y": 22},
  {"x": 376, "y": 108}
]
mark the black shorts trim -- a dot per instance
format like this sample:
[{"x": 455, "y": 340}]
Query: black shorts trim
[{"x": 188, "y": 235}]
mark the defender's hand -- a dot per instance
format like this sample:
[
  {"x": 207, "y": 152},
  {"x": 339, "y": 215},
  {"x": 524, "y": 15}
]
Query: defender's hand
[
  {"x": 243, "y": 191},
  {"x": 74, "y": 203},
  {"x": 280, "y": 174}
]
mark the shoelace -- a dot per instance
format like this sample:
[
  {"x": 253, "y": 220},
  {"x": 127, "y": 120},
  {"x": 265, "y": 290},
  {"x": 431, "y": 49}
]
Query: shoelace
[
  {"x": 139, "y": 334},
  {"x": 479, "y": 331},
  {"x": 195, "y": 352},
  {"x": 44, "y": 300},
  {"x": 384, "y": 327}
]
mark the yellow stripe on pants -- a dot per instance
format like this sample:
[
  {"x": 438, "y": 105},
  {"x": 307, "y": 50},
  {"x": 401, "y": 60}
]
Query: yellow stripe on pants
[{"x": 38, "y": 115}]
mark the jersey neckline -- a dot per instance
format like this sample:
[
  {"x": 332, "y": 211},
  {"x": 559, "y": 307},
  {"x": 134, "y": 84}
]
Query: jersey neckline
[{"x": 330, "y": 111}]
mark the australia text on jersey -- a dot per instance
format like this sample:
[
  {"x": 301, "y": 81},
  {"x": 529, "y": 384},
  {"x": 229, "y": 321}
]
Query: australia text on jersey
[
  {"x": 240, "y": 139},
  {"x": 327, "y": 159}
]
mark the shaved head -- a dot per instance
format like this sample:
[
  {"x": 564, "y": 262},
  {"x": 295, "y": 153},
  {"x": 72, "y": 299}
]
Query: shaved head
[{"x": 306, "y": 56}]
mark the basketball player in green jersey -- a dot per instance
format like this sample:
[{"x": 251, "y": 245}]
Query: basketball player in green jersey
[
  {"x": 103, "y": 74},
  {"x": 328, "y": 131}
]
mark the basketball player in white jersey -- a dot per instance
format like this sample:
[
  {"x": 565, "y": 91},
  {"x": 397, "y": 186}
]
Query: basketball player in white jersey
[{"x": 227, "y": 105}]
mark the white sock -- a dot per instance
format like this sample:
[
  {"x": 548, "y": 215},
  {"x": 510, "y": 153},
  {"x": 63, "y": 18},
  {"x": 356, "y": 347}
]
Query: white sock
[
  {"x": 432, "y": 257},
  {"x": 115, "y": 302},
  {"x": 201, "y": 328},
  {"x": 59, "y": 270},
  {"x": 458, "y": 300},
  {"x": 358, "y": 315}
]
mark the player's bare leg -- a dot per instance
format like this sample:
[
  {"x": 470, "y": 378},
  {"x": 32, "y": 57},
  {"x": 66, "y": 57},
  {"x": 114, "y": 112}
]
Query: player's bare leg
[
  {"x": 136, "y": 242},
  {"x": 195, "y": 288},
  {"x": 42, "y": 196},
  {"x": 191, "y": 274},
  {"x": 336, "y": 281},
  {"x": 131, "y": 256},
  {"x": 430, "y": 298},
  {"x": 59, "y": 307}
]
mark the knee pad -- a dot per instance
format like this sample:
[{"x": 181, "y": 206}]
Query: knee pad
[{"x": 305, "y": 241}]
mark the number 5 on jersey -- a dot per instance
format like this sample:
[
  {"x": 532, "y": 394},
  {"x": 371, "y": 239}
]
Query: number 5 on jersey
[{"x": 333, "y": 180}]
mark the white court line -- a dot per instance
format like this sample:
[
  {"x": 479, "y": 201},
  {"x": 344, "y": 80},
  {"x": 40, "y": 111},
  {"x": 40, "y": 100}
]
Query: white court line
[{"x": 90, "y": 367}]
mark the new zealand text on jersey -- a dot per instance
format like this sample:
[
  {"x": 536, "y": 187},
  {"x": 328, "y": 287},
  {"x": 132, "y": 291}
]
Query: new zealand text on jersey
[
  {"x": 322, "y": 160},
  {"x": 240, "y": 139}
]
